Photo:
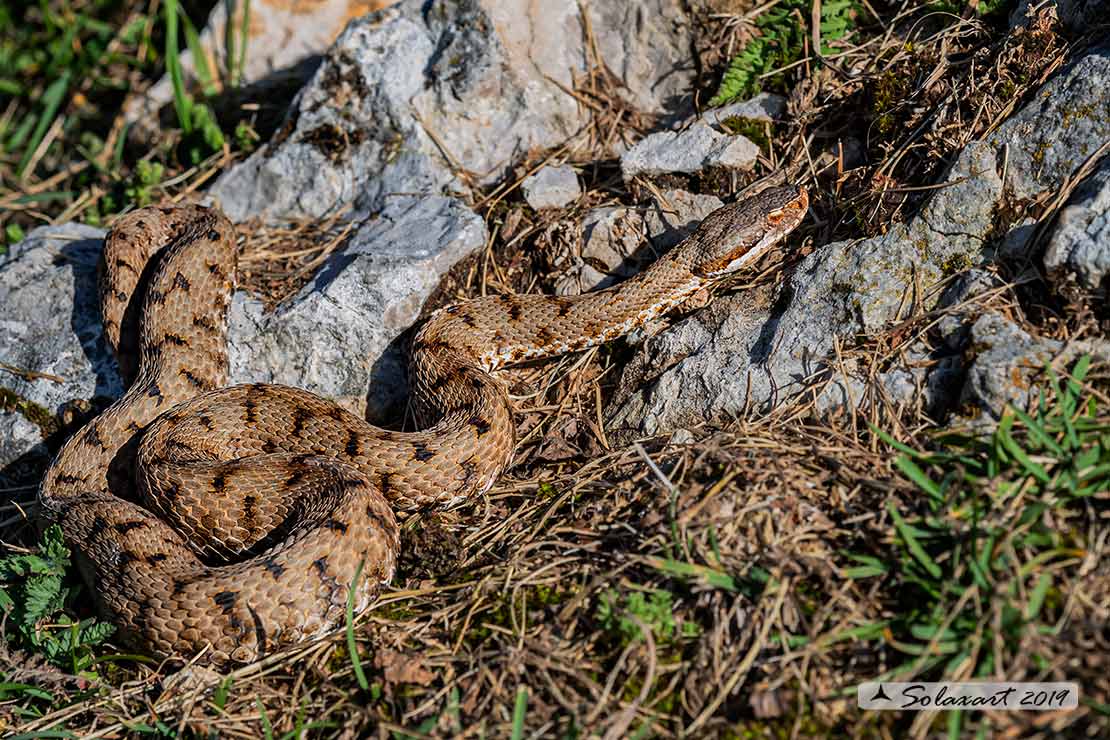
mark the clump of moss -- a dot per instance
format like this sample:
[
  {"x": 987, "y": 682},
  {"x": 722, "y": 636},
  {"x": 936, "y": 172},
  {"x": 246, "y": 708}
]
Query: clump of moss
[
  {"x": 955, "y": 264},
  {"x": 31, "y": 411},
  {"x": 758, "y": 131}
]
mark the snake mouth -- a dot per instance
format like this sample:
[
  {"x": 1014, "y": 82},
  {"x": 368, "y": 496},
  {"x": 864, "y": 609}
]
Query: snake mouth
[{"x": 787, "y": 218}]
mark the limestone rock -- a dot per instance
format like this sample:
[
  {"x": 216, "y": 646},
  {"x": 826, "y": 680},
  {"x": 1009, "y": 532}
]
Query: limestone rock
[
  {"x": 282, "y": 38},
  {"x": 698, "y": 148},
  {"x": 702, "y": 143},
  {"x": 647, "y": 45},
  {"x": 22, "y": 452},
  {"x": 551, "y": 187},
  {"x": 1060, "y": 128},
  {"x": 763, "y": 107},
  {"x": 51, "y": 320},
  {"x": 1006, "y": 360},
  {"x": 1080, "y": 245},
  {"x": 409, "y": 97}
]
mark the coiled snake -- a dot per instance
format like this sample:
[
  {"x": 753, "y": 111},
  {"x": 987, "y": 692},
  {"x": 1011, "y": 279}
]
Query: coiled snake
[{"x": 260, "y": 502}]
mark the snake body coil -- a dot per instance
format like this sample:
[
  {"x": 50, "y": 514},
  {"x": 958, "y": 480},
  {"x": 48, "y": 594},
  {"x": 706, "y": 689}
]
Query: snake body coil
[{"x": 233, "y": 519}]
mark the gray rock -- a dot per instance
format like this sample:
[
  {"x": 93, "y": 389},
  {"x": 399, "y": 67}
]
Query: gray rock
[
  {"x": 613, "y": 239},
  {"x": 749, "y": 352},
  {"x": 702, "y": 143},
  {"x": 424, "y": 96},
  {"x": 354, "y": 122},
  {"x": 332, "y": 338},
  {"x": 917, "y": 380},
  {"x": 551, "y": 187},
  {"x": 763, "y": 107},
  {"x": 695, "y": 149},
  {"x": 51, "y": 320},
  {"x": 960, "y": 297},
  {"x": 1006, "y": 355},
  {"x": 647, "y": 45},
  {"x": 1059, "y": 129},
  {"x": 1080, "y": 245},
  {"x": 1007, "y": 358},
  {"x": 23, "y": 454}
]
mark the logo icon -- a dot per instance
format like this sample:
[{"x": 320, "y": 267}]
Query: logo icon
[{"x": 880, "y": 695}]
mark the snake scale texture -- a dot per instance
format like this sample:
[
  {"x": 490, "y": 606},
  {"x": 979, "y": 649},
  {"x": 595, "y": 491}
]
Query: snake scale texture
[{"x": 231, "y": 521}]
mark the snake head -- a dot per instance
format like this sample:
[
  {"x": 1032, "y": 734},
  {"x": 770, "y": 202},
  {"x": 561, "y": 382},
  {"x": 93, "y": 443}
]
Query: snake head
[{"x": 737, "y": 234}]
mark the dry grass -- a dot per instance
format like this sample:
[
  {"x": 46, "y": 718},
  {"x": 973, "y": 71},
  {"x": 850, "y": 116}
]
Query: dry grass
[{"x": 696, "y": 589}]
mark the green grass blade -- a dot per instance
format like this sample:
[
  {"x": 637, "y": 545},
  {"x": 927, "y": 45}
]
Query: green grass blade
[
  {"x": 1016, "y": 452},
  {"x": 903, "y": 448},
  {"x": 715, "y": 578},
  {"x": 244, "y": 35},
  {"x": 267, "y": 728},
  {"x": 916, "y": 550},
  {"x": 1037, "y": 597},
  {"x": 868, "y": 567},
  {"x": 51, "y": 101},
  {"x": 1037, "y": 431},
  {"x": 182, "y": 103},
  {"x": 919, "y": 477},
  {"x": 201, "y": 68},
  {"x": 352, "y": 646},
  {"x": 1076, "y": 377},
  {"x": 19, "y": 136},
  {"x": 519, "y": 710}
]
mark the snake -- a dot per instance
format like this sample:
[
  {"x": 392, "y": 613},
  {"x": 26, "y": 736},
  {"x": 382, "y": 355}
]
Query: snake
[{"x": 232, "y": 522}]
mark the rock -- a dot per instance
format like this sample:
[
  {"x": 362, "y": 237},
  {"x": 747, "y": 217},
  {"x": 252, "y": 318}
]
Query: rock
[
  {"x": 427, "y": 97},
  {"x": 703, "y": 143},
  {"x": 335, "y": 336},
  {"x": 1080, "y": 245},
  {"x": 751, "y": 352},
  {"x": 954, "y": 326},
  {"x": 280, "y": 38},
  {"x": 22, "y": 452},
  {"x": 613, "y": 239},
  {"x": 1059, "y": 129},
  {"x": 51, "y": 320},
  {"x": 1006, "y": 360},
  {"x": 918, "y": 380},
  {"x": 51, "y": 344},
  {"x": 698, "y": 148},
  {"x": 551, "y": 187},
  {"x": 763, "y": 107},
  {"x": 647, "y": 45}
]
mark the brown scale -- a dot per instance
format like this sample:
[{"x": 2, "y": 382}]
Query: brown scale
[{"x": 234, "y": 518}]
